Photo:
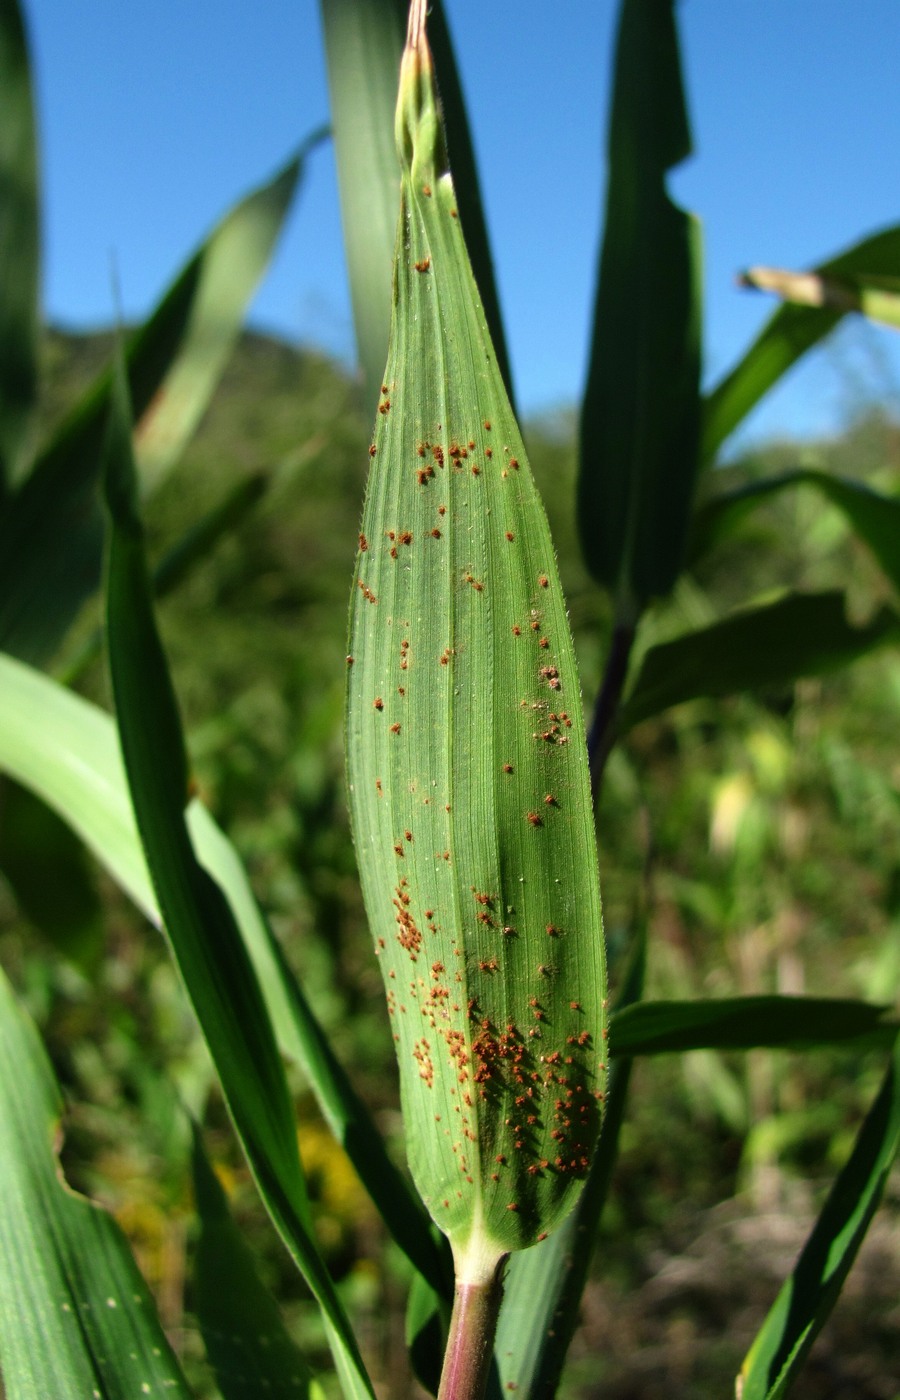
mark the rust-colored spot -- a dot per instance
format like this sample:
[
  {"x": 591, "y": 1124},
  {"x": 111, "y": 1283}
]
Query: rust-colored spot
[
  {"x": 424, "y": 474},
  {"x": 550, "y": 800},
  {"x": 543, "y": 581},
  {"x": 423, "y": 265},
  {"x": 476, "y": 471},
  {"x": 534, "y": 818},
  {"x": 512, "y": 1206},
  {"x": 488, "y": 452},
  {"x": 435, "y": 533},
  {"x": 426, "y": 190},
  {"x": 349, "y": 660},
  {"x": 372, "y": 450},
  {"x": 509, "y": 535},
  {"x": 378, "y": 703},
  {"x": 513, "y": 464},
  {"x": 517, "y": 631},
  {"x": 442, "y": 510},
  {"x": 544, "y": 643},
  {"x": 385, "y": 407},
  {"x": 395, "y": 729},
  {"x": 507, "y": 768},
  {"x": 552, "y": 931}
]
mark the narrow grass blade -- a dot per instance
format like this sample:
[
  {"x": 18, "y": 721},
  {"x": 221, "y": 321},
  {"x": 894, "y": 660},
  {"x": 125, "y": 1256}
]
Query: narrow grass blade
[
  {"x": 65, "y": 749},
  {"x": 211, "y": 957},
  {"x": 874, "y": 516},
  {"x": 745, "y": 1023},
  {"x": 51, "y": 533},
  {"x": 247, "y": 1343},
  {"x": 878, "y": 298},
  {"x": 229, "y": 266},
  {"x": 544, "y": 1287},
  {"x": 76, "y": 1318},
  {"x": 363, "y": 45},
  {"x": 468, "y": 774},
  {"x": 19, "y": 245},
  {"x": 790, "y": 332},
  {"x": 808, "y": 1296},
  {"x": 772, "y": 645},
  {"x": 640, "y": 418}
]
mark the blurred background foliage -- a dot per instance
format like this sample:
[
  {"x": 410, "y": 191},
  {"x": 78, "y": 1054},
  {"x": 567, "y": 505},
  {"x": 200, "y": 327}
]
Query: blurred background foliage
[{"x": 760, "y": 835}]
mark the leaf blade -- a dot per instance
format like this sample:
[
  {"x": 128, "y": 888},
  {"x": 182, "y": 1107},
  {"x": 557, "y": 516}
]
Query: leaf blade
[
  {"x": 211, "y": 957},
  {"x": 64, "y": 749},
  {"x": 640, "y": 417},
  {"x": 51, "y": 533},
  {"x": 808, "y": 1296},
  {"x": 468, "y": 780},
  {"x": 771, "y": 645},
  {"x": 74, "y": 1311}
]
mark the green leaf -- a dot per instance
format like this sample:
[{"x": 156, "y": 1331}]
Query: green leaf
[
  {"x": 76, "y": 1318},
  {"x": 641, "y": 414},
  {"x": 51, "y": 532},
  {"x": 65, "y": 749},
  {"x": 19, "y": 245},
  {"x": 543, "y": 1286},
  {"x": 772, "y": 645},
  {"x": 467, "y": 768},
  {"x": 363, "y": 45},
  {"x": 787, "y": 335},
  {"x": 33, "y": 841},
  {"x": 247, "y": 1343},
  {"x": 213, "y": 962},
  {"x": 745, "y": 1023},
  {"x": 808, "y": 1296},
  {"x": 874, "y": 517}
]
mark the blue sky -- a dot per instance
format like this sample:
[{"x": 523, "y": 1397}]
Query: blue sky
[{"x": 155, "y": 118}]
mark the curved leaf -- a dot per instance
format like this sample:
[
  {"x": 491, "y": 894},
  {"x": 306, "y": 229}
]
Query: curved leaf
[
  {"x": 211, "y": 957},
  {"x": 65, "y": 749},
  {"x": 640, "y": 418},
  {"x": 874, "y": 517},
  {"x": 467, "y": 768},
  {"x": 51, "y": 532},
  {"x": 772, "y": 645},
  {"x": 789, "y": 333},
  {"x": 808, "y": 1296},
  {"x": 745, "y": 1023},
  {"x": 76, "y": 1318}
]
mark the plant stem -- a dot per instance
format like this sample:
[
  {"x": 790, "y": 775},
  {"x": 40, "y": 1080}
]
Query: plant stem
[
  {"x": 467, "y": 1360},
  {"x": 600, "y": 738}
]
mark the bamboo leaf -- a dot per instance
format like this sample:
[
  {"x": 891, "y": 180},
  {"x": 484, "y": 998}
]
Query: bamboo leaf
[
  {"x": 19, "y": 245},
  {"x": 874, "y": 517},
  {"x": 806, "y": 1299},
  {"x": 213, "y": 962},
  {"x": 467, "y": 768},
  {"x": 788, "y": 334},
  {"x": 51, "y": 532},
  {"x": 65, "y": 749},
  {"x": 746, "y": 1023},
  {"x": 247, "y": 1343},
  {"x": 76, "y": 1318},
  {"x": 363, "y": 45},
  {"x": 641, "y": 414},
  {"x": 772, "y": 645}
]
